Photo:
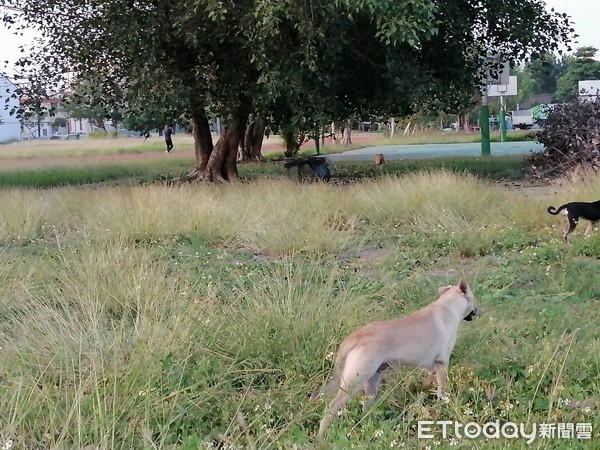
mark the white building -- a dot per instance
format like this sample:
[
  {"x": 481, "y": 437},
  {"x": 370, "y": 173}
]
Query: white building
[
  {"x": 44, "y": 126},
  {"x": 10, "y": 126}
]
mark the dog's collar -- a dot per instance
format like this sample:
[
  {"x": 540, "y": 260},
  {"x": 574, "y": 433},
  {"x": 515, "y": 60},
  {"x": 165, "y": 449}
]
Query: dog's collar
[{"x": 470, "y": 316}]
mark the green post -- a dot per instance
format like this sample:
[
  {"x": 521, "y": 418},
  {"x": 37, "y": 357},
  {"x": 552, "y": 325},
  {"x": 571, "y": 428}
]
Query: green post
[
  {"x": 484, "y": 125},
  {"x": 502, "y": 120}
]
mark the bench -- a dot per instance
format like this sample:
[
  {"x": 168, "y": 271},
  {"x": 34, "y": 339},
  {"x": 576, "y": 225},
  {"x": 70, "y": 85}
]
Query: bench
[{"x": 318, "y": 165}]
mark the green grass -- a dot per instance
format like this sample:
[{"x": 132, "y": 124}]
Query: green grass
[
  {"x": 121, "y": 172},
  {"x": 199, "y": 316},
  {"x": 494, "y": 168},
  {"x": 85, "y": 147},
  {"x": 134, "y": 172}
]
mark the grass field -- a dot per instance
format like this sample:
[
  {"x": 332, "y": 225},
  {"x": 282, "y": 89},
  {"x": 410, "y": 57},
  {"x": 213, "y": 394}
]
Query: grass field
[
  {"x": 184, "y": 144},
  {"x": 132, "y": 172},
  {"x": 198, "y": 316}
]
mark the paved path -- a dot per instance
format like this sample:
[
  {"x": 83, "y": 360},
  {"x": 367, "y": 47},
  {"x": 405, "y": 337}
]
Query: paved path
[
  {"x": 424, "y": 151},
  {"x": 416, "y": 151}
]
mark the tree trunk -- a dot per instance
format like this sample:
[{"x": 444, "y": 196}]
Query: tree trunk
[
  {"x": 288, "y": 135},
  {"x": 242, "y": 153},
  {"x": 203, "y": 144},
  {"x": 246, "y": 139},
  {"x": 462, "y": 122},
  {"x": 99, "y": 122},
  {"x": 252, "y": 139},
  {"x": 222, "y": 164},
  {"x": 347, "y": 134},
  {"x": 257, "y": 139}
]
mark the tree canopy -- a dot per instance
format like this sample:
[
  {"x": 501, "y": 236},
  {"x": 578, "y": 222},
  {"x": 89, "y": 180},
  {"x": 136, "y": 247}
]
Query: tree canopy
[
  {"x": 86, "y": 99},
  {"x": 546, "y": 70},
  {"x": 580, "y": 66},
  {"x": 296, "y": 62}
]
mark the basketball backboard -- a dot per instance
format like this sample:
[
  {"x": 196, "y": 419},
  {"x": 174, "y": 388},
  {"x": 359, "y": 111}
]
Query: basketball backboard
[
  {"x": 504, "y": 90},
  {"x": 494, "y": 71}
]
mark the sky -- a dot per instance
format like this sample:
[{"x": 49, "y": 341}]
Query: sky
[{"x": 584, "y": 13}]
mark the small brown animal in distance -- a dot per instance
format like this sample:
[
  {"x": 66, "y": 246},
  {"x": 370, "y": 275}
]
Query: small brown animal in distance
[{"x": 379, "y": 159}]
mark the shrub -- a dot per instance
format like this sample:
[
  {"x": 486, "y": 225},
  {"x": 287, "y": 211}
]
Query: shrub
[
  {"x": 571, "y": 137},
  {"x": 101, "y": 134}
]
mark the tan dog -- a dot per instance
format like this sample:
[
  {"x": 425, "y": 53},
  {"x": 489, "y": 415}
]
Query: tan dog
[
  {"x": 424, "y": 339},
  {"x": 379, "y": 159}
]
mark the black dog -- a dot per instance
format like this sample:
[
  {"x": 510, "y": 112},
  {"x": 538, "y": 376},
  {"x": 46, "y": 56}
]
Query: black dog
[{"x": 578, "y": 210}]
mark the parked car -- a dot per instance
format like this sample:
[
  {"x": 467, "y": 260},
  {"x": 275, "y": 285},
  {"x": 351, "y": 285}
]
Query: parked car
[
  {"x": 522, "y": 119},
  {"x": 58, "y": 135},
  {"x": 76, "y": 135}
]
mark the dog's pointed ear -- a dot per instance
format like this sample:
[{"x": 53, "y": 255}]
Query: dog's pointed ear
[
  {"x": 443, "y": 289},
  {"x": 463, "y": 286}
]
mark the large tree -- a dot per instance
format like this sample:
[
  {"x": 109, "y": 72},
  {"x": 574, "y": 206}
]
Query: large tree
[
  {"x": 89, "y": 100},
  {"x": 580, "y": 66},
  {"x": 545, "y": 70},
  {"x": 296, "y": 62}
]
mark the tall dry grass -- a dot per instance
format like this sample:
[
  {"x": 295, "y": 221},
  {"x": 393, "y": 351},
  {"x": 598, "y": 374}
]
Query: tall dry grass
[
  {"x": 278, "y": 215},
  {"x": 114, "y": 334}
]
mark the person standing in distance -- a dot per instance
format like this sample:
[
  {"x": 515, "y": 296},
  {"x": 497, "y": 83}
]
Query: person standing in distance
[{"x": 168, "y": 132}]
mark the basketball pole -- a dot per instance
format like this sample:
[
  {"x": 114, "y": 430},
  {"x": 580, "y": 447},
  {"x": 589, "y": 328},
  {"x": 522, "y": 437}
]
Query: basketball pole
[
  {"x": 484, "y": 124},
  {"x": 502, "y": 120}
]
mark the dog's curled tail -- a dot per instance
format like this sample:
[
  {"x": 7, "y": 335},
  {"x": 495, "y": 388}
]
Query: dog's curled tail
[{"x": 552, "y": 210}]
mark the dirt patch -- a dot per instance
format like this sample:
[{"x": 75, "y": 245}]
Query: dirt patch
[
  {"x": 375, "y": 253},
  {"x": 531, "y": 189},
  {"x": 467, "y": 267}
]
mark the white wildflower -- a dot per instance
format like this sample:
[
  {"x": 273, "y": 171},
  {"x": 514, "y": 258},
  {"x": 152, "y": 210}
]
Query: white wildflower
[{"x": 566, "y": 401}]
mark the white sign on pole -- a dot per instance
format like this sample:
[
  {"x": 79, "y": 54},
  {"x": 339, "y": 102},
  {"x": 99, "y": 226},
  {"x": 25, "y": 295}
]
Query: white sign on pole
[
  {"x": 503, "y": 90},
  {"x": 589, "y": 90}
]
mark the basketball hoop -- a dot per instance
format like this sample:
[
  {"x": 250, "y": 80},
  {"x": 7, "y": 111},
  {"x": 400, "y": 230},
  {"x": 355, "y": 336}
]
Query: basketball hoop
[{"x": 504, "y": 90}]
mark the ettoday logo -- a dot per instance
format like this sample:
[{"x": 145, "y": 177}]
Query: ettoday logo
[{"x": 427, "y": 429}]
